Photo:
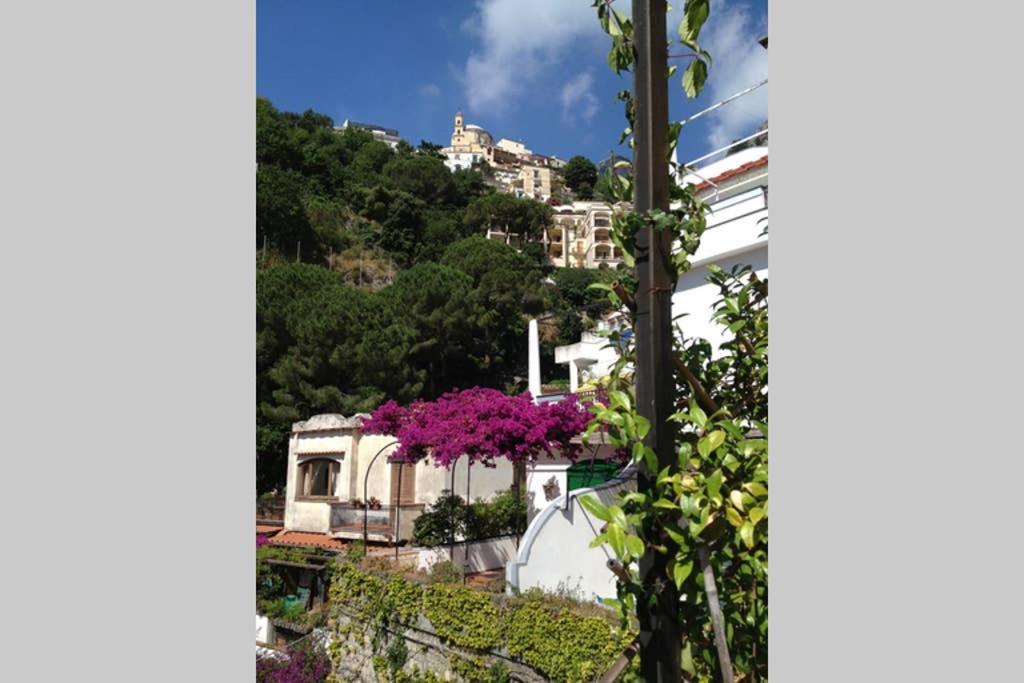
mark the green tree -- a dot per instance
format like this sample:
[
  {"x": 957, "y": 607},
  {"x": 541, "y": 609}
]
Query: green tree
[
  {"x": 469, "y": 185},
  {"x": 426, "y": 308},
  {"x": 310, "y": 331},
  {"x": 280, "y": 212},
  {"x": 274, "y": 144},
  {"x": 425, "y": 177},
  {"x": 580, "y": 176},
  {"x": 431, "y": 149},
  {"x": 524, "y": 217}
]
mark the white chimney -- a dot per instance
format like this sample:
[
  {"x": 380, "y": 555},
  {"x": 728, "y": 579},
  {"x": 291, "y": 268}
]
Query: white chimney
[{"x": 534, "y": 369}]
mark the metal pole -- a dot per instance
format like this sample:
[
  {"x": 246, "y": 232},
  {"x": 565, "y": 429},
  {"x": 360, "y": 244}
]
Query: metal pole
[
  {"x": 298, "y": 250},
  {"x": 366, "y": 505},
  {"x": 451, "y": 520},
  {"x": 469, "y": 470},
  {"x": 660, "y": 625},
  {"x": 398, "y": 508}
]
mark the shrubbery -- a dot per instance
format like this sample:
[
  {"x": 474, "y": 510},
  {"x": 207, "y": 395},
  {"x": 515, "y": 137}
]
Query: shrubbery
[{"x": 450, "y": 518}]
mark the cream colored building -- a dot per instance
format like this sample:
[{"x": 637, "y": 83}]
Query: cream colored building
[
  {"x": 580, "y": 237},
  {"x": 515, "y": 168},
  {"x": 330, "y": 460},
  {"x": 513, "y": 146},
  {"x": 535, "y": 182}
]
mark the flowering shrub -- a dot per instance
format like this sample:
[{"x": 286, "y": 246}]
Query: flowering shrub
[
  {"x": 306, "y": 663},
  {"x": 261, "y": 540},
  {"x": 482, "y": 424}
]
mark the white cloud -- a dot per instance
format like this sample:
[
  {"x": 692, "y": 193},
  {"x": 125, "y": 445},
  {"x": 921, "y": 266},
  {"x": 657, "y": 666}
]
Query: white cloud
[
  {"x": 520, "y": 41},
  {"x": 429, "y": 90},
  {"x": 577, "y": 98},
  {"x": 738, "y": 62}
]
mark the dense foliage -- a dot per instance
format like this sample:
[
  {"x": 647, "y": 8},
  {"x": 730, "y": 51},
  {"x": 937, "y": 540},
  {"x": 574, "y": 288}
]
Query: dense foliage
[
  {"x": 580, "y": 175},
  {"x": 449, "y": 518},
  {"x": 559, "y": 638}
]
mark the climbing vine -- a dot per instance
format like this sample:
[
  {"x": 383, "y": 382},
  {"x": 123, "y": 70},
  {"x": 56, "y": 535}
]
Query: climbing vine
[
  {"x": 539, "y": 631},
  {"x": 708, "y": 510},
  {"x": 463, "y": 616}
]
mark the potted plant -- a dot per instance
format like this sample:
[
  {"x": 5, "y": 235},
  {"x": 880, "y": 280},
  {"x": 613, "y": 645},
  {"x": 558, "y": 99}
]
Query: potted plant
[{"x": 375, "y": 503}]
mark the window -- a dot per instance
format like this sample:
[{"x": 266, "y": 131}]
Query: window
[{"x": 317, "y": 478}]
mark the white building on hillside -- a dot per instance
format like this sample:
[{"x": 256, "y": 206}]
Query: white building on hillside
[{"x": 388, "y": 136}]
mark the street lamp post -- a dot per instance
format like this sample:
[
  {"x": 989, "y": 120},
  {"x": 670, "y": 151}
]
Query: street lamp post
[{"x": 366, "y": 504}]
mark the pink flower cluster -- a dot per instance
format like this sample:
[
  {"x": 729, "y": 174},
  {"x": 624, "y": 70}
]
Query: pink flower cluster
[{"x": 483, "y": 424}]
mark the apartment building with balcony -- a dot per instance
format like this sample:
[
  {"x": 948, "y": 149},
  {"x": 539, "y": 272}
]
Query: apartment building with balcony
[{"x": 580, "y": 237}]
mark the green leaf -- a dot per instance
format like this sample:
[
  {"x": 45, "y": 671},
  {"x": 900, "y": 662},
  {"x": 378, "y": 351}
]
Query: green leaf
[
  {"x": 756, "y": 515},
  {"x": 619, "y": 398},
  {"x": 694, "y": 16},
  {"x": 715, "y": 439},
  {"x": 737, "y": 499},
  {"x": 734, "y": 517},
  {"x": 643, "y": 426},
  {"x": 687, "y": 659},
  {"x": 747, "y": 534},
  {"x": 665, "y": 504},
  {"x": 681, "y": 571},
  {"x": 634, "y": 545},
  {"x": 618, "y": 515},
  {"x": 714, "y": 483},
  {"x": 756, "y": 489},
  {"x": 594, "y": 507},
  {"x": 698, "y": 416},
  {"x": 679, "y": 539},
  {"x": 693, "y": 78},
  {"x": 617, "y": 539},
  {"x": 730, "y": 462}
]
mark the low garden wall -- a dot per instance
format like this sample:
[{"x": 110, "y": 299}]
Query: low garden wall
[{"x": 475, "y": 556}]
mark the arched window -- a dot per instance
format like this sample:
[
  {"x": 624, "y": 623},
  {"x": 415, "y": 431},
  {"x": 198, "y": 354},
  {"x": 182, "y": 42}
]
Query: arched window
[{"x": 317, "y": 477}]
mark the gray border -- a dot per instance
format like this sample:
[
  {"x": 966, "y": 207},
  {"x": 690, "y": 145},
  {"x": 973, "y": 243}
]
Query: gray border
[
  {"x": 894, "y": 249},
  {"x": 128, "y": 345}
]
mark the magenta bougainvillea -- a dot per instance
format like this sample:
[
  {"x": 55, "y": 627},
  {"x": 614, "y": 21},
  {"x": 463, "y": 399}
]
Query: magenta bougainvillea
[
  {"x": 305, "y": 664},
  {"x": 482, "y": 424}
]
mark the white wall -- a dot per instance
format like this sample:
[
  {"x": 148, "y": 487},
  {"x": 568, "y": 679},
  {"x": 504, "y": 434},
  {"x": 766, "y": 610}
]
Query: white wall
[
  {"x": 479, "y": 556},
  {"x": 555, "y": 551},
  {"x": 733, "y": 237},
  {"x": 537, "y": 476},
  {"x": 264, "y": 630},
  {"x": 484, "y": 482}
]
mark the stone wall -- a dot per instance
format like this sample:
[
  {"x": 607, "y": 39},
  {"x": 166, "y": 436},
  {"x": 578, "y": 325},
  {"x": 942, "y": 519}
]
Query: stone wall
[{"x": 426, "y": 652}]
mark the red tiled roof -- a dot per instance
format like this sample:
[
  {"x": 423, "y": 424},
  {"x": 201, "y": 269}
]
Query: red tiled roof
[
  {"x": 733, "y": 172},
  {"x": 306, "y": 538},
  {"x": 268, "y": 529}
]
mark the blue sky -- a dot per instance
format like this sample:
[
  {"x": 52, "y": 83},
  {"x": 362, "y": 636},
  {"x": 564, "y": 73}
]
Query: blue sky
[{"x": 532, "y": 70}]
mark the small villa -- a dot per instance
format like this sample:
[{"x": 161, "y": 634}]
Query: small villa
[{"x": 339, "y": 477}]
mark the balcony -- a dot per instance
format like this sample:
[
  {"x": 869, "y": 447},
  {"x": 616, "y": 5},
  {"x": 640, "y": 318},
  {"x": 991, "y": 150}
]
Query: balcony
[
  {"x": 381, "y": 524},
  {"x": 602, "y": 235}
]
